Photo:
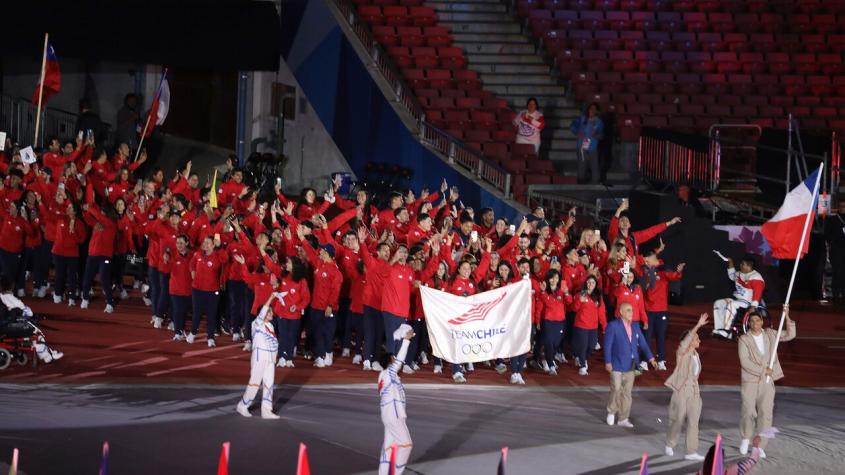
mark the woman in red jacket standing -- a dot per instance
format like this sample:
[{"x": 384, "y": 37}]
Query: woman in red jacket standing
[
  {"x": 324, "y": 302},
  {"x": 552, "y": 302},
  {"x": 31, "y": 246},
  {"x": 178, "y": 265},
  {"x": 100, "y": 253},
  {"x": 589, "y": 314},
  {"x": 288, "y": 310},
  {"x": 123, "y": 245},
  {"x": 14, "y": 228},
  {"x": 207, "y": 271},
  {"x": 70, "y": 233}
]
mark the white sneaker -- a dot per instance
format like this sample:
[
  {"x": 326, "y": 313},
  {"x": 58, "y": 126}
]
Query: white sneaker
[
  {"x": 243, "y": 410},
  {"x": 423, "y": 358},
  {"x": 577, "y": 361},
  {"x": 84, "y": 303},
  {"x": 57, "y": 298},
  {"x": 643, "y": 365},
  {"x": 147, "y": 301},
  {"x": 345, "y": 353},
  {"x": 470, "y": 367},
  {"x": 57, "y": 355},
  {"x": 694, "y": 457},
  {"x": 356, "y": 360},
  {"x": 282, "y": 363},
  {"x": 459, "y": 378},
  {"x": 329, "y": 359},
  {"x": 269, "y": 415},
  {"x": 610, "y": 419},
  {"x": 661, "y": 366},
  {"x": 501, "y": 368},
  {"x": 248, "y": 345},
  {"x": 762, "y": 452},
  {"x": 560, "y": 358},
  {"x": 521, "y": 381},
  {"x": 319, "y": 363},
  {"x": 190, "y": 338},
  {"x": 123, "y": 294},
  {"x": 438, "y": 369},
  {"x": 136, "y": 284},
  {"x": 377, "y": 366},
  {"x": 598, "y": 346},
  {"x": 415, "y": 366},
  {"x": 367, "y": 365},
  {"x": 743, "y": 447},
  {"x": 21, "y": 293},
  {"x": 515, "y": 378},
  {"x": 582, "y": 371},
  {"x": 236, "y": 337},
  {"x": 171, "y": 327},
  {"x": 157, "y": 321},
  {"x": 178, "y": 337},
  {"x": 625, "y": 423},
  {"x": 71, "y": 302},
  {"x": 545, "y": 366},
  {"x": 669, "y": 451},
  {"x": 109, "y": 309},
  {"x": 552, "y": 372},
  {"x": 407, "y": 369},
  {"x": 211, "y": 343},
  {"x": 42, "y": 291},
  {"x": 289, "y": 364}
]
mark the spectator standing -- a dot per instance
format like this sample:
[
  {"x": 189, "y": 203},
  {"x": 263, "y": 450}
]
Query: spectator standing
[
  {"x": 529, "y": 123},
  {"x": 588, "y": 130},
  {"x": 128, "y": 122}
]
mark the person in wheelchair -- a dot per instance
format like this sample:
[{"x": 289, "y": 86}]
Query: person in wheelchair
[
  {"x": 16, "y": 321},
  {"x": 748, "y": 293}
]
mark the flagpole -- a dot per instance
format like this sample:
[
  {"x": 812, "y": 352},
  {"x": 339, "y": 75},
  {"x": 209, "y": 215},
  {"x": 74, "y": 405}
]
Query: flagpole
[
  {"x": 143, "y": 134},
  {"x": 40, "y": 90},
  {"x": 795, "y": 267}
]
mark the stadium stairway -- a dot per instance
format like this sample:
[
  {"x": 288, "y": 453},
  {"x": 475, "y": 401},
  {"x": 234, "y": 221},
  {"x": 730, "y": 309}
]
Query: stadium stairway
[{"x": 508, "y": 65}]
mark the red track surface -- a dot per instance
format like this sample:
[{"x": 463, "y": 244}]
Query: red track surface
[{"x": 124, "y": 348}]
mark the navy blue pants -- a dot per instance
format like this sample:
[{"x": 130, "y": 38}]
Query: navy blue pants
[
  {"x": 568, "y": 327},
  {"x": 323, "y": 328},
  {"x": 205, "y": 304},
  {"x": 181, "y": 304},
  {"x": 154, "y": 282},
  {"x": 354, "y": 324},
  {"x": 288, "y": 334},
  {"x": 552, "y": 333},
  {"x": 27, "y": 264},
  {"x": 418, "y": 342},
  {"x": 9, "y": 262},
  {"x": 43, "y": 259},
  {"x": 583, "y": 343},
  {"x": 236, "y": 294},
  {"x": 341, "y": 315},
  {"x": 373, "y": 333},
  {"x": 66, "y": 274},
  {"x": 391, "y": 324},
  {"x": 118, "y": 270},
  {"x": 97, "y": 265},
  {"x": 658, "y": 324},
  {"x": 163, "y": 302}
]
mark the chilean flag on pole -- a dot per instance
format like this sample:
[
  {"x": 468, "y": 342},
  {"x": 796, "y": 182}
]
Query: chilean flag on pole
[
  {"x": 52, "y": 77},
  {"x": 160, "y": 106},
  {"x": 784, "y": 230}
]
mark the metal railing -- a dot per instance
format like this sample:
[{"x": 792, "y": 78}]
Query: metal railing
[
  {"x": 454, "y": 149},
  {"x": 17, "y": 118},
  {"x": 662, "y": 160},
  {"x": 556, "y": 204}
]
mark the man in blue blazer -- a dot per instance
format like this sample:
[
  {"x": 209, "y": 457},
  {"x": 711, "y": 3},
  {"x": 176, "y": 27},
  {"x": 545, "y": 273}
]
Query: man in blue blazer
[{"x": 623, "y": 341}]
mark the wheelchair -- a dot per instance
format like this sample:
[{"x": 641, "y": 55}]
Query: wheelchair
[
  {"x": 19, "y": 338},
  {"x": 742, "y": 323}
]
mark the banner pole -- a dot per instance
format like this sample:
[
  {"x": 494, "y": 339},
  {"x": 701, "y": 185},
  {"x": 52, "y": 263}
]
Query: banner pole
[{"x": 40, "y": 90}]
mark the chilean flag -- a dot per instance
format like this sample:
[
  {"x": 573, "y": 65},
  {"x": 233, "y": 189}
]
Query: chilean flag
[
  {"x": 160, "y": 106},
  {"x": 52, "y": 78},
  {"x": 784, "y": 230}
]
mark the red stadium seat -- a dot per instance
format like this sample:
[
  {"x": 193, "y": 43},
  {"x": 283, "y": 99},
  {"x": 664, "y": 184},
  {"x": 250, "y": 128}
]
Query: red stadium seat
[
  {"x": 439, "y": 78},
  {"x": 540, "y": 21},
  {"x": 580, "y": 39},
  {"x": 727, "y": 62},
  {"x": 423, "y": 16},
  {"x": 670, "y": 21},
  {"x": 737, "y": 42},
  {"x": 778, "y": 63},
  {"x": 396, "y": 15},
  {"x": 696, "y": 21},
  {"x": 496, "y": 150},
  {"x": 483, "y": 119},
  {"x": 805, "y": 63},
  {"x": 566, "y": 19},
  {"x": 468, "y": 103},
  {"x": 644, "y": 21},
  {"x": 674, "y": 61},
  {"x": 478, "y": 135},
  {"x": 443, "y": 103},
  {"x": 607, "y": 40},
  {"x": 741, "y": 84},
  {"x": 633, "y": 40},
  {"x": 523, "y": 151},
  {"x": 451, "y": 58},
  {"x": 659, "y": 40},
  {"x": 410, "y": 36},
  {"x": 685, "y": 41},
  {"x": 722, "y": 22},
  {"x": 437, "y": 36},
  {"x": 664, "y": 109},
  {"x": 591, "y": 20},
  {"x": 425, "y": 62},
  {"x": 416, "y": 78},
  {"x": 820, "y": 85},
  {"x": 752, "y": 63},
  {"x": 618, "y": 20}
]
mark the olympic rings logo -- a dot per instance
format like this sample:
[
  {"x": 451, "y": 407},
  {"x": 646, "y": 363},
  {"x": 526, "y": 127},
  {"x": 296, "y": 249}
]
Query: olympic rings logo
[{"x": 477, "y": 348}]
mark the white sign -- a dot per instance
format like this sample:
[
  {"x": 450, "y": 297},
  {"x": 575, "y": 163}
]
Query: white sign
[
  {"x": 27, "y": 155},
  {"x": 2, "y": 141},
  {"x": 486, "y": 326}
]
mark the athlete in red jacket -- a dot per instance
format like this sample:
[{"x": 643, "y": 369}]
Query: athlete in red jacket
[
  {"x": 178, "y": 265},
  {"x": 208, "y": 267},
  {"x": 100, "y": 253},
  {"x": 324, "y": 302},
  {"x": 656, "y": 288},
  {"x": 589, "y": 314}
]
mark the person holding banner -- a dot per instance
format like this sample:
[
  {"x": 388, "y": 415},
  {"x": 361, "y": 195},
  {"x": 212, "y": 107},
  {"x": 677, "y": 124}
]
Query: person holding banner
[
  {"x": 392, "y": 401},
  {"x": 623, "y": 343},
  {"x": 759, "y": 375}
]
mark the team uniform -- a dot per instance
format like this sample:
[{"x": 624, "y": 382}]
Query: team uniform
[
  {"x": 748, "y": 292},
  {"x": 393, "y": 416},
  {"x": 265, "y": 346}
]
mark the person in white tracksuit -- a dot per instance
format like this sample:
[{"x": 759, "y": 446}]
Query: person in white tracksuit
[
  {"x": 749, "y": 287},
  {"x": 392, "y": 398},
  {"x": 265, "y": 345}
]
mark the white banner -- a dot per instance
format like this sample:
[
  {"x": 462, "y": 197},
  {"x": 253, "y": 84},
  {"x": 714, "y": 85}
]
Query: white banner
[{"x": 486, "y": 326}]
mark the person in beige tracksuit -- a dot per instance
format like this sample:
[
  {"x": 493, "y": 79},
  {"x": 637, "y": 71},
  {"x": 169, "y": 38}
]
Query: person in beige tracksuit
[
  {"x": 758, "y": 387},
  {"x": 686, "y": 400}
]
